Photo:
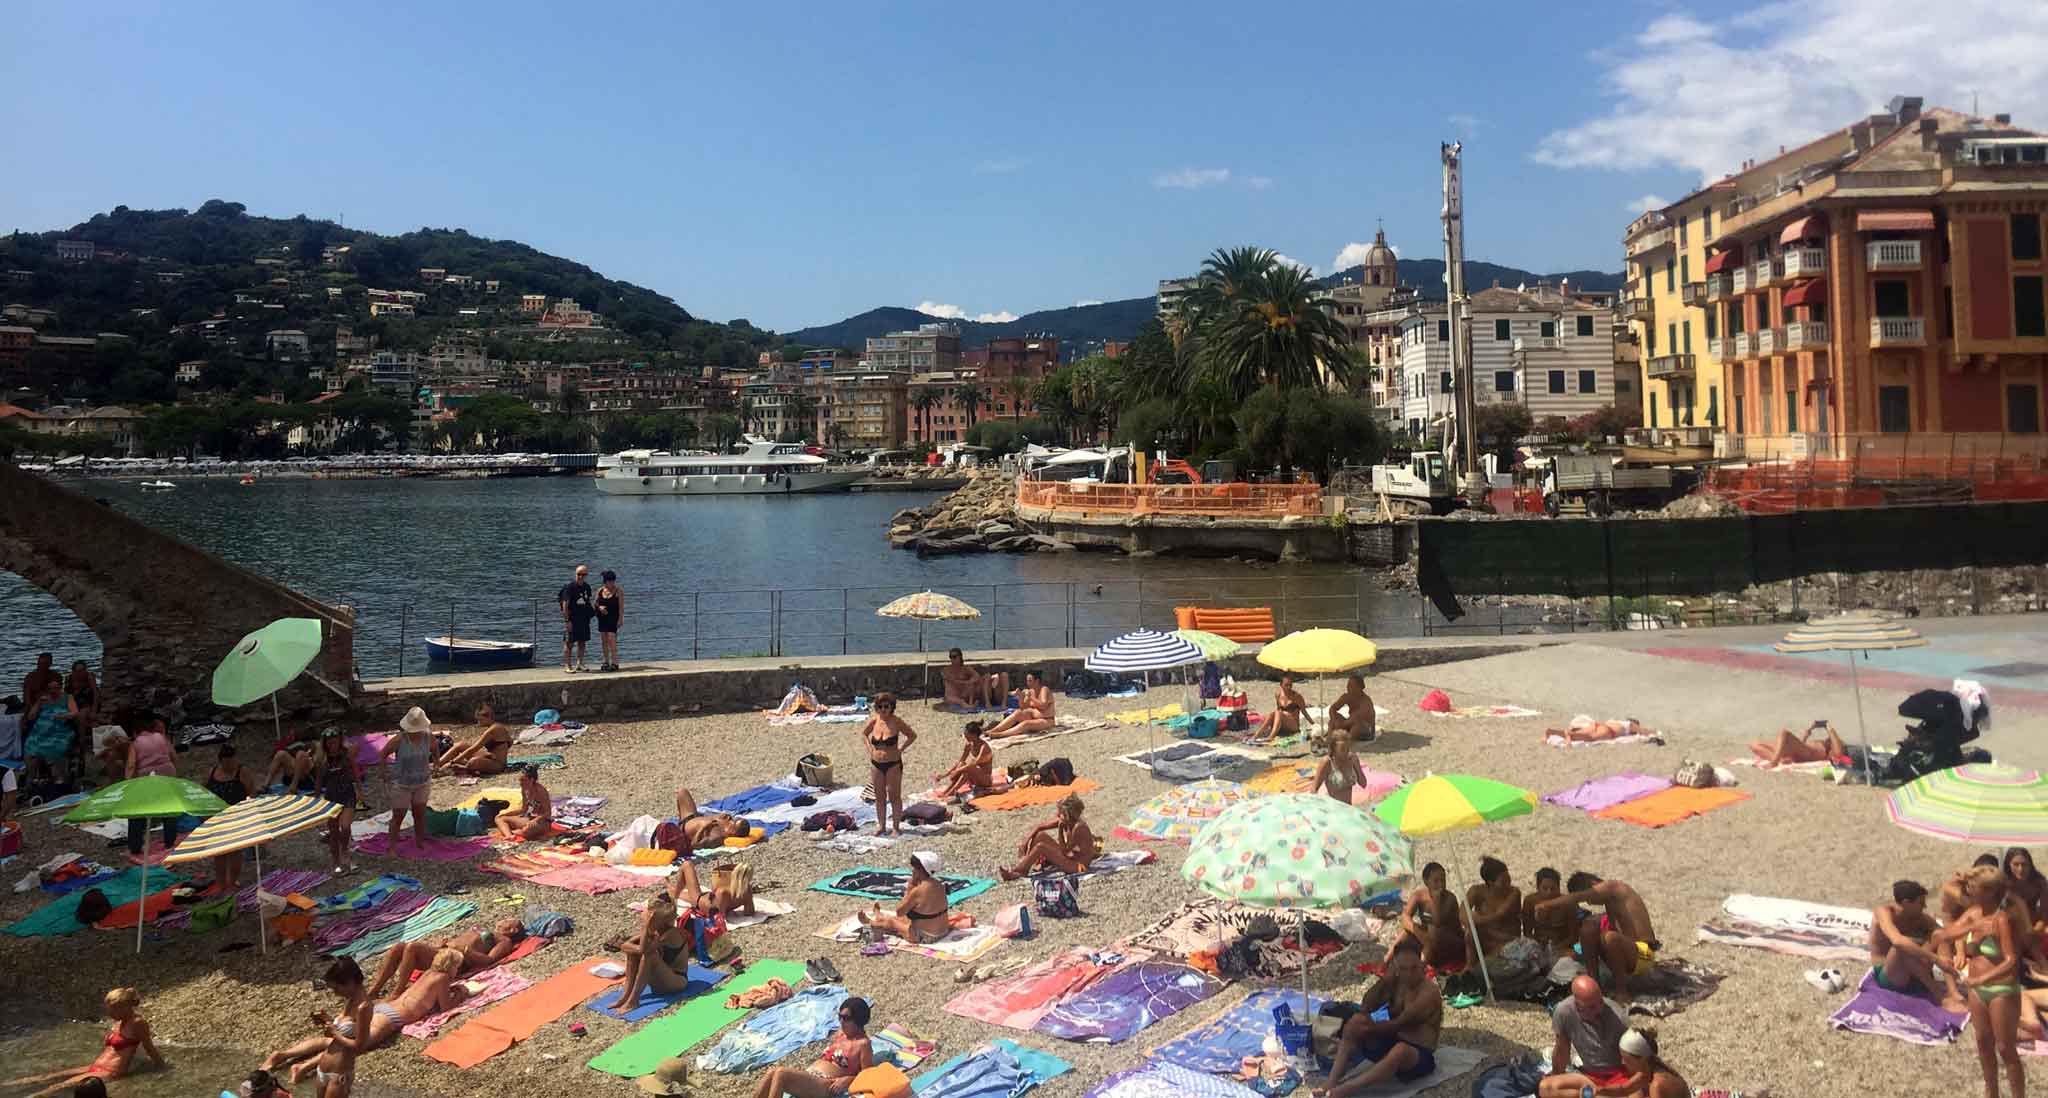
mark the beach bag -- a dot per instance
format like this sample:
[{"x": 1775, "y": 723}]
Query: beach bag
[
  {"x": 816, "y": 770},
  {"x": 1236, "y": 720},
  {"x": 468, "y": 822},
  {"x": 928, "y": 813},
  {"x": 1328, "y": 1027},
  {"x": 1015, "y": 921},
  {"x": 213, "y": 914},
  {"x": 487, "y": 810},
  {"x": 1201, "y": 728},
  {"x": 1057, "y": 897},
  {"x": 1694, "y": 775},
  {"x": 1059, "y": 771},
  {"x": 93, "y": 906},
  {"x": 1021, "y": 769}
]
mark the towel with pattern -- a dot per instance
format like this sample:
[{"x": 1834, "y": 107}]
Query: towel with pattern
[
  {"x": 1115, "y": 1008},
  {"x": 769, "y": 1035},
  {"x": 993, "y": 1069},
  {"x": 366, "y": 895},
  {"x": 1218, "y": 1045},
  {"x": 393, "y": 908},
  {"x": 1905, "y": 1018},
  {"x": 440, "y": 914},
  {"x": 486, "y": 987},
  {"x": 1209, "y": 925},
  {"x": 1162, "y": 1079},
  {"x": 526, "y": 864},
  {"x": 1019, "y": 1001},
  {"x": 435, "y": 850}
]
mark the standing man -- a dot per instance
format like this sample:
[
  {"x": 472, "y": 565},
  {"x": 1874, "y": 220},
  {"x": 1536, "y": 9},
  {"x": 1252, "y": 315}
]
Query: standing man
[{"x": 577, "y": 610}]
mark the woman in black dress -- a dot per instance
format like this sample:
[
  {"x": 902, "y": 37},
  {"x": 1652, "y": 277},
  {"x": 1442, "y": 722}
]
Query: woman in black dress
[{"x": 611, "y": 612}]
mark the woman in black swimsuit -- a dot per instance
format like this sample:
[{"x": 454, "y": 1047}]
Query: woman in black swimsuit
[
  {"x": 335, "y": 767},
  {"x": 232, "y": 783},
  {"x": 887, "y": 737},
  {"x": 922, "y": 916},
  {"x": 610, "y": 603},
  {"x": 657, "y": 957}
]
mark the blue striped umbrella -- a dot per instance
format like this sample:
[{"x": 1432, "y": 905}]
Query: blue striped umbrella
[
  {"x": 253, "y": 822},
  {"x": 1143, "y": 650}
]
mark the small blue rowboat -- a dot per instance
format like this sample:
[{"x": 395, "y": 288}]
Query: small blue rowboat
[{"x": 458, "y": 652}]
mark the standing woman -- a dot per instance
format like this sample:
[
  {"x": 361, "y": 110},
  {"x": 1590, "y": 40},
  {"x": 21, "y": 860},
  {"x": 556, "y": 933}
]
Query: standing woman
[
  {"x": 887, "y": 737},
  {"x": 50, "y": 732},
  {"x": 610, "y": 603},
  {"x": 232, "y": 783},
  {"x": 150, "y": 752},
  {"x": 335, "y": 767},
  {"x": 413, "y": 751},
  {"x": 1991, "y": 976}
]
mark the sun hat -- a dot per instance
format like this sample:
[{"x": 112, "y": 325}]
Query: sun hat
[
  {"x": 671, "y": 1076},
  {"x": 415, "y": 720},
  {"x": 1635, "y": 1044},
  {"x": 930, "y": 860}
]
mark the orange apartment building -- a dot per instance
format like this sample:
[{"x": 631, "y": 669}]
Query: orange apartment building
[{"x": 1893, "y": 286}]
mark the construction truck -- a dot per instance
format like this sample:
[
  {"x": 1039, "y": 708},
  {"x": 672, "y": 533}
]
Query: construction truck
[
  {"x": 1420, "y": 486},
  {"x": 1596, "y": 484}
]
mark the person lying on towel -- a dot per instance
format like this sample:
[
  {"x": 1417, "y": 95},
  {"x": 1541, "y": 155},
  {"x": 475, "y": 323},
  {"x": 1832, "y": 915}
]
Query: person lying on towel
[
  {"x": 1788, "y": 748},
  {"x": 1064, "y": 843},
  {"x": 480, "y": 950},
  {"x": 1584, "y": 729}
]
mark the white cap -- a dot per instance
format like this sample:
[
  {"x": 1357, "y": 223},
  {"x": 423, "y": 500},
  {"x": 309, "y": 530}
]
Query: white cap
[
  {"x": 930, "y": 860},
  {"x": 1635, "y": 1044}
]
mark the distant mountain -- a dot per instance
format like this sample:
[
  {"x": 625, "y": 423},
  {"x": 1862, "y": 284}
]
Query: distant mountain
[{"x": 1120, "y": 320}]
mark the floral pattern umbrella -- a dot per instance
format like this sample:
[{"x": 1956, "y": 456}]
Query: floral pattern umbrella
[
  {"x": 1213, "y": 646},
  {"x": 1298, "y": 850},
  {"x": 1176, "y": 815},
  {"x": 929, "y": 606}
]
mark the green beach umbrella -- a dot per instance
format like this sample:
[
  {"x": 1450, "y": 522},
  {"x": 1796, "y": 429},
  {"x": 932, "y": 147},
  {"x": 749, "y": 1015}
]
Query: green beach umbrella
[
  {"x": 155, "y": 796},
  {"x": 1448, "y": 802},
  {"x": 265, "y": 662},
  {"x": 1975, "y": 803},
  {"x": 1212, "y": 646}
]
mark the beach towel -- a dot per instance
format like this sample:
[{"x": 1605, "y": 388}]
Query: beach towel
[
  {"x": 393, "y": 907},
  {"x": 836, "y": 800},
  {"x": 1560, "y": 741},
  {"x": 810, "y": 1016},
  {"x": 870, "y": 883},
  {"x": 1020, "y": 1000},
  {"x": 1852, "y": 923},
  {"x": 1205, "y": 926},
  {"x": 519, "y": 1017},
  {"x": 1146, "y": 716},
  {"x": 774, "y": 793},
  {"x": 1451, "y": 1062},
  {"x": 1905, "y": 1018},
  {"x": 1219, "y": 1044},
  {"x": 994, "y": 1069},
  {"x": 590, "y": 879},
  {"x": 653, "y": 1002},
  {"x": 1467, "y": 712},
  {"x": 1034, "y": 795},
  {"x": 893, "y": 1044},
  {"x": 441, "y": 914},
  {"x": 1169, "y": 753},
  {"x": 551, "y": 761},
  {"x": 147, "y": 909},
  {"x": 1116, "y": 1007},
  {"x": 1670, "y": 806},
  {"x": 673, "y": 1034},
  {"x": 1065, "y": 725},
  {"x": 513, "y": 798},
  {"x": 962, "y": 945},
  {"x": 1113, "y": 862},
  {"x": 280, "y": 882},
  {"x": 60, "y": 916},
  {"x": 529, "y": 863},
  {"x": 764, "y": 910},
  {"x": 436, "y": 850},
  {"x": 1792, "y": 942},
  {"x": 366, "y": 895},
  {"x": 1672, "y": 986},
  {"x": 1286, "y": 777},
  {"x": 492, "y": 985},
  {"x": 1194, "y": 761},
  {"x": 1161, "y": 1079},
  {"x": 1599, "y": 793}
]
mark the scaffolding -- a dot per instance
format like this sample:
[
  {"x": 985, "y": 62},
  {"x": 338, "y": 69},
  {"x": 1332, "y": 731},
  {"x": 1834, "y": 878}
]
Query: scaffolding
[{"x": 1783, "y": 474}]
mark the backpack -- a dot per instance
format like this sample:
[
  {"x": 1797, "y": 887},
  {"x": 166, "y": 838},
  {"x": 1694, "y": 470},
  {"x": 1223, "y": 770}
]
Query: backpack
[
  {"x": 927, "y": 812},
  {"x": 1058, "y": 771},
  {"x": 1695, "y": 775},
  {"x": 487, "y": 810},
  {"x": 93, "y": 906},
  {"x": 669, "y": 836}
]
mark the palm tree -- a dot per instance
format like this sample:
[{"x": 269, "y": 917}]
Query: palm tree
[
  {"x": 970, "y": 397},
  {"x": 924, "y": 400},
  {"x": 1269, "y": 329},
  {"x": 1018, "y": 388}
]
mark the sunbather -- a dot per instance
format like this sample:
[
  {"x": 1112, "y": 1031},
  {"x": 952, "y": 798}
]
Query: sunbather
[
  {"x": 845, "y": 1056},
  {"x": 131, "y": 1034},
  {"x": 1034, "y": 712},
  {"x": 1788, "y": 748},
  {"x": 1621, "y": 937},
  {"x": 292, "y": 767},
  {"x": 486, "y": 754},
  {"x": 1340, "y": 774},
  {"x": 1556, "y": 928},
  {"x": 1647, "y": 1075},
  {"x": 1900, "y": 959},
  {"x": 1496, "y": 906},
  {"x": 1991, "y": 975},
  {"x": 1432, "y": 920},
  {"x": 1353, "y": 712},
  {"x": 436, "y": 990},
  {"x": 658, "y": 957},
  {"x": 480, "y": 950},
  {"x": 922, "y": 917},
  {"x": 536, "y": 816},
  {"x": 704, "y": 830},
  {"x": 1584, "y": 729},
  {"x": 886, "y": 737},
  {"x": 731, "y": 891},
  {"x": 1064, "y": 843},
  {"x": 2027, "y": 883},
  {"x": 974, "y": 772},
  {"x": 1285, "y": 719},
  {"x": 1402, "y": 1048},
  {"x": 972, "y": 687}
]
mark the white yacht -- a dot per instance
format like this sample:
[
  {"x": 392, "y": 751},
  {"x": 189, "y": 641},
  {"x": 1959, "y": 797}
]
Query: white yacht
[{"x": 757, "y": 467}]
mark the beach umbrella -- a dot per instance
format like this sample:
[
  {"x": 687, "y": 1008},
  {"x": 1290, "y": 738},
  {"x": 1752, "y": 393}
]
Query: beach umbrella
[
  {"x": 1298, "y": 851},
  {"x": 153, "y": 797},
  {"x": 1975, "y": 803},
  {"x": 265, "y": 662},
  {"x": 1176, "y": 815},
  {"x": 1143, "y": 650},
  {"x": 1319, "y": 652},
  {"x": 252, "y": 823},
  {"x": 1214, "y": 646},
  {"x": 1448, "y": 802},
  {"x": 1850, "y": 633},
  {"x": 927, "y": 606}
]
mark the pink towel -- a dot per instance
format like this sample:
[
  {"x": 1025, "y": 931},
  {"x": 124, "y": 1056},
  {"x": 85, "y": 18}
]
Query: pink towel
[
  {"x": 593, "y": 879},
  {"x": 1602, "y": 793},
  {"x": 498, "y": 983},
  {"x": 437, "y": 850}
]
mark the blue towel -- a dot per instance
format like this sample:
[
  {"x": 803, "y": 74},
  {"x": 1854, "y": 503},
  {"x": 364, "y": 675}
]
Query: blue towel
[
  {"x": 761, "y": 796},
  {"x": 807, "y": 1017},
  {"x": 998, "y": 1069},
  {"x": 1218, "y": 1045},
  {"x": 653, "y": 1002},
  {"x": 76, "y": 884}
]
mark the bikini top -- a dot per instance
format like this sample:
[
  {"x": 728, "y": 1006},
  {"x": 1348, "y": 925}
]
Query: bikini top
[
  {"x": 1987, "y": 948},
  {"x": 120, "y": 1042},
  {"x": 883, "y": 742}
]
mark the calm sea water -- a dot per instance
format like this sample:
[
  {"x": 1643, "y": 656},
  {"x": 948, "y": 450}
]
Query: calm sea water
[{"x": 712, "y": 576}]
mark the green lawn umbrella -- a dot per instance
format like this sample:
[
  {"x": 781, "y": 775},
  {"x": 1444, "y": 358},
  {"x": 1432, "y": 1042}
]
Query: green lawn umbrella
[
  {"x": 153, "y": 797},
  {"x": 265, "y": 662},
  {"x": 1214, "y": 646}
]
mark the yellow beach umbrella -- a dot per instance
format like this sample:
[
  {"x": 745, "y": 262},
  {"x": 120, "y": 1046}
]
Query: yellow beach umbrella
[{"x": 1319, "y": 652}]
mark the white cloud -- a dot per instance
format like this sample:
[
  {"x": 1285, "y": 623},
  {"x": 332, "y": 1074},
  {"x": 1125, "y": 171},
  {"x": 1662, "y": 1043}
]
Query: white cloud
[
  {"x": 1003, "y": 317},
  {"x": 1646, "y": 203},
  {"x": 1002, "y": 166},
  {"x": 1465, "y": 123},
  {"x": 1294, "y": 263},
  {"x": 1258, "y": 182},
  {"x": 1349, "y": 256},
  {"x": 1705, "y": 97},
  {"x": 1086, "y": 301},
  {"x": 1188, "y": 179},
  {"x": 954, "y": 312}
]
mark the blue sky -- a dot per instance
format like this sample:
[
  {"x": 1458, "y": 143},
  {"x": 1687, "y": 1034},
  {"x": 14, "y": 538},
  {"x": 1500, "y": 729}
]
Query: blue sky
[{"x": 795, "y": 163}]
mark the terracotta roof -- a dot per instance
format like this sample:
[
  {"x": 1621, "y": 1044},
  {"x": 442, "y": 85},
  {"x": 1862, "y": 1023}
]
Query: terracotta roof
[{"x": 11, "y": 411}]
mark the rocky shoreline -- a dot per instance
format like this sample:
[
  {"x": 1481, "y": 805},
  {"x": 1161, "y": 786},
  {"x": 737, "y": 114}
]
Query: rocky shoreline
[{"x": 978, "y": 517}]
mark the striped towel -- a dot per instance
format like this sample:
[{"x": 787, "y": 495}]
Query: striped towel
[
  {"x": 544, "y": 762},
  {"x": 395, "y": 907},
  {"x": 441, "y": 914},
  {"x": 281, "y": 882}
]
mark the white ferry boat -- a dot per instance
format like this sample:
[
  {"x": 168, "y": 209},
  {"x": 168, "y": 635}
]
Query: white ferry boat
[{"x": 758, "y": 467}]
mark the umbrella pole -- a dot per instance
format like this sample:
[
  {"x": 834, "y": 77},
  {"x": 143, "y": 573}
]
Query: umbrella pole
[
  {"x": 1856, "y": 686},
  {"x": 1478, "y": 951},
  {"x": 142, "y": 899},
  {"x": 1301, "y": 943},
  {"x": 262, "y": 932},
  {"x": 276, "y": 721}
]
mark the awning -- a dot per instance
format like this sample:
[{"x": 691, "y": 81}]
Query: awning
[
  {"x": 1723, "y": 260},
  {"x": 1810, "y": 225},
  {"x": 1894, "y": 221},
  {"x": 1813, "y": 291}
]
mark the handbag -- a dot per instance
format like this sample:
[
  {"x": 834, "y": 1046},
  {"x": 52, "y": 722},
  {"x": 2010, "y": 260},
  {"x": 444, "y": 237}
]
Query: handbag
[
  {"x": 1057, "y": 897},
  {"x": 815, "y": 769},
  {"x": 1694, "y": 775}
]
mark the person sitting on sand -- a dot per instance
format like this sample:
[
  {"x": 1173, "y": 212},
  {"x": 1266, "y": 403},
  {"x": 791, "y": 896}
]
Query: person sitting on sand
[
  {"x": 922, "y": 917},
  {"x": 1496, "y": 906},
  {"x": 1642, "y": 1073},
  {"x": 1064, "y": 843},
  {"x": 887, "y": 736},
  {"x": 1587, "y": 1027},
  {"x": 1432, "y": 920},
  {"x": 1584, "y": 729},
  {"x": 969, "y": 686},
  {"x": 1402, "y": 1048},
  {"x": 1788, "y": 748},
  {"x": 1621, "y": 938},
  {"x": 1340, "y": 776},
  {"x": 848, "y": 1054},
  {"x": 131, "y": 1034},
  {"x": 658, "y": 957},
  {"x": 1899, "y": 932},
  {"x": 536, "y": 816},
  {"x": 331, "y": 1056},
  {"x": 480, "y": 950},
  {"x": 731, "y": 891},
  {"x": 1034, "y": 712},
  {"x": 1285, "y": 719},
  {"x": 1556, "y": 929},
  {"x": 1353, "y": 713},
  {"x": 974, "y": 772},
  {"x": 292, "y": 767},
  {"x": 2026, "y": 882},
  {"x": 705, "y": 830},
  {"x": 484, "y": 755}
]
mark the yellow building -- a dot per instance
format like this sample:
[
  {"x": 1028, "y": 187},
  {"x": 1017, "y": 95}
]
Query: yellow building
[{"x": 1664, "y": 304}]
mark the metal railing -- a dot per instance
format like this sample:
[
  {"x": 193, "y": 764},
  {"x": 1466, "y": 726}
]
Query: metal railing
[
  {"x": 1234, "y": 500},
  {"x": 1670, "y": 365},
  {"x": 1738, "y": 280}
]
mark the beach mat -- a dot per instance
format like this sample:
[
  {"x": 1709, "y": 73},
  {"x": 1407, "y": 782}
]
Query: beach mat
[
  {"x": 1786, "y": 940},
  {"x": 1117, "y": 1007},
  {"x": 1208, "y": 924},
  {"x": 1905, "y": 1018},
  {"x": 871, "y": 883},
  {"x": 1599, "y": 793},
  {"x": 526, "y": 864},
  {"x": 281, "y": 882},
  {"x": 436, "y": 850},
  {"x": 1451, "y": 1062},
  {"x": 1218, "y": 1045},
  {"x": 1674, "y": 805},
  {"x": 520, "y": 1016},
  {"x": 591, "y": 879},
  {"x": 1670, "y": 987},
  {"x": 440, "y": 914},
  {"x": 1034, "y": 795},
  {"x": 60, "y": 916},
  {"x": 541, "y": 762},
  {"x": 1062, "y": 726},
  {"x": 513, "y": 795},
  {"x": 671, "y": 1035},
  {"x": 1019, "y": 1001},
  {"x": 997, "y": 1067},
  {"x": 493, "y": 985},
  {"x": 1287, "y": 777},
  {"x": 368, "y": 894},
  {"x": 808, "y": 1016},
  {"x": 653, "y": 1002},
  {"x": 760, "y": 796},
  {"x": 392, "y": 907}
]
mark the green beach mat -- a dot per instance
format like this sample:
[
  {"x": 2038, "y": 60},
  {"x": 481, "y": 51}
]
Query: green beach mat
[
  {"x": 670, "y": 1035},
  {"x": 60, "y": 916},
  {"x": 957, "y": 888}
]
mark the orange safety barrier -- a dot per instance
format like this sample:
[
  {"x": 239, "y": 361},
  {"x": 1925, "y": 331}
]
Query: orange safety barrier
[
  {"x": 1243, "y": 624},
  {"x": 1230, "y": 500},
  {"x": 1883, "y": 470}
]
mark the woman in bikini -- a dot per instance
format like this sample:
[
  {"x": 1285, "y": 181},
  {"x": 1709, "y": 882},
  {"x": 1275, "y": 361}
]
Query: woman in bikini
[
  {"x": 331, "y": 1057},
  {"x": 1991, "y": 944},
  {"x": 1034, "y": 711},
  {"x": 1433, "y": 920},
  {"x": 974, "y": 772},
  {"x": 1340, "y": 774},
  {"x": 232, "y": 783},
  {"x": 658, "y": 957},
  {"x": 731, "y": 891},
  {"x": 1064, "y": 843},
  {"x": 484, "y": 755},
  {"x": 848, "y": 1054},
  {"x": 117, "y": 1054},
  {"x": 536, "y": 816},
  {"x": 922, "y": 917},
  {"x": 336, "y": 776},
  {"x": 1285, "y": 719},
  {"x": 704, "y": 830},
  {"x": 887, "y": 737},
  {"x": 1788, "y": 748}
]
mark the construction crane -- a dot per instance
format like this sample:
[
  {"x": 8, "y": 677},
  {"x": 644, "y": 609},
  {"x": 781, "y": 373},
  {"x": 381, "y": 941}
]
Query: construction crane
[{"x": 1461, "y": 447}]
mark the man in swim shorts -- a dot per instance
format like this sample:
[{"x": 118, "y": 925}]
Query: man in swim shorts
[
  {"x": 1403, "y": 1048},
  {"x": 1621, "y": 937}
]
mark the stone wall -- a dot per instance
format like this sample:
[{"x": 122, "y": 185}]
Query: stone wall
[{"x": 165, "y": 611}]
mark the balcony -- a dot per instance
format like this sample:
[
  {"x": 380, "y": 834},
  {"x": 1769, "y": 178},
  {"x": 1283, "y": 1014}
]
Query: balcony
[
  {"x": 1535, "y": 343},
  {"x": 1663, "y": 366},
  {"x": 1693, "y": 293},
  {"x": 1745, "y": 345},
  {"x": 1898, "y": 331},
  {"x": 1738, "y": 281},
  {"x": 1717, "y": 286},
  {"x": 1768, "y": 341},
  {"x": 1811, "y": 335},
  {"x": 1894, "y": 255},
  {"x": 1760, "y": 273},
  {"x": 1805, "y": 263},
  {"x": 1637, "y": 308},
  {"x": 1649, "y": 241},
  {"x": 1724, "y": 348}
]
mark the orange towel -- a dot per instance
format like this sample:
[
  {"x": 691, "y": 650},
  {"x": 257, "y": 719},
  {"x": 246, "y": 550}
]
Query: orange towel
[
  {"x": 1283, "y": 778},
  {"x": 1671, "y": 805},
  {"x": 1034, "y": 794},
  {"x": 519, "y": 1017},
  {"x": 151, "y": 907}
]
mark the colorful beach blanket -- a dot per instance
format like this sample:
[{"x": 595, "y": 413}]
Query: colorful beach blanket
[
  {"x": 1019, "y": 1001},
  {"x": 487, "y": 987},
  {"x": 1210, "y": 924},
  {"x": 393, "y": 907},
  {"x": 528, "y": 863},
  {"x": 653, "y": 1002},
  {"x": 1146, "y": 716},
  {"x": 440, "y": 914},
  {"x": 994, "y": 1069},
  {"x": 871, "y": 883},
  {"x": 281, "y": 882},
  {"x": 673, "y": 1034},
  {"x": 1115, "y": 1008},
  {"x": 1792, "y": 927},
  {"x": 1901, "y": 1017},
  {"x": 590, "y": 879},
  {"x": 436, "y": 850},
  {"x": 1599, "y": 793},
  {"x": 767, "y": 795},
  {"x": 1672, "y": 986},
  {"x": 1219, "y": 1044},
  {"x": 366, "y": 895},
  {"x": 807, "y": 1017},
  {"x": 1162, "y": 1079},
  {"x": 1034, "y": 795},
  {"x": 519, "y": 1017},
  {"x": 1670, "y": 806}
]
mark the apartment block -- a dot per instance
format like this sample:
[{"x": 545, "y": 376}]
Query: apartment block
[
  {"x": 929, "y": 347},
  {"x": 1547, "y": 349}
]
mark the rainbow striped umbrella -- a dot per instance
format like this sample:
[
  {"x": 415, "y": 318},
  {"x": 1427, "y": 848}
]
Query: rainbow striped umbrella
[
  {"x": 253, "y": 822},
  {"x": 1177, "y": 814},
  {"x": 1975, "y": 803},
  {"x": 1447, "y": 802}
]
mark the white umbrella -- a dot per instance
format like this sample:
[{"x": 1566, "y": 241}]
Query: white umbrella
[{"x": 1857, "y": 631}]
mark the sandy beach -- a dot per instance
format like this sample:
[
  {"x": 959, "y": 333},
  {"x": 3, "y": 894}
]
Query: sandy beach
[{"x": 1796, "y": 837}]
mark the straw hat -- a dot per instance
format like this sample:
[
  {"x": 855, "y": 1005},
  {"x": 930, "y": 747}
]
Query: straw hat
[
  {"x": 415, "y": 720},
  {"x": 671, "y": 1076}
]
